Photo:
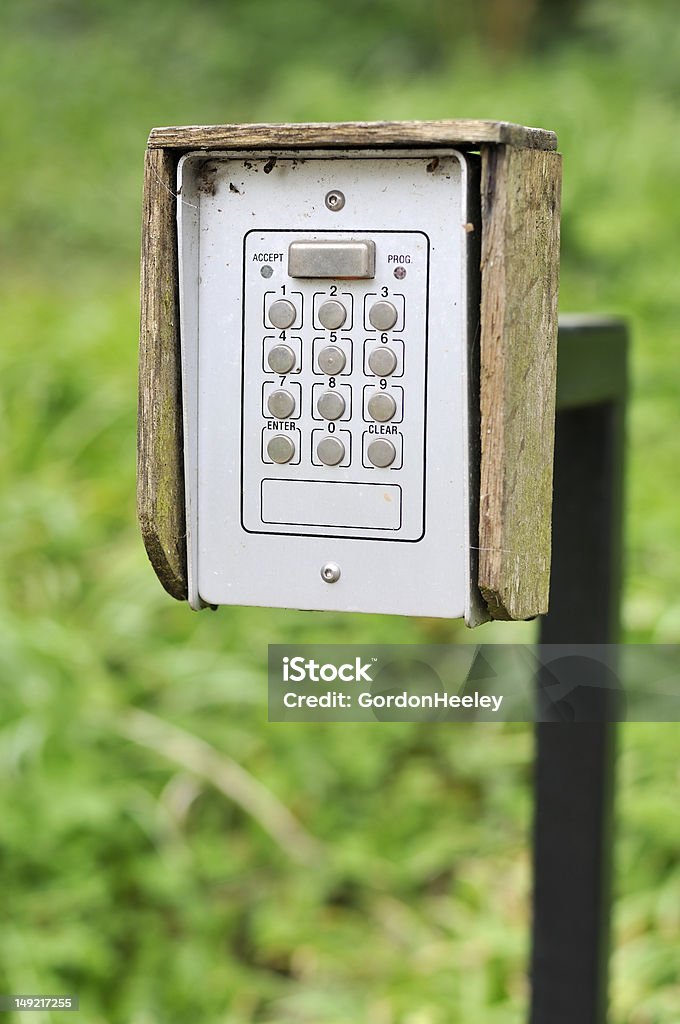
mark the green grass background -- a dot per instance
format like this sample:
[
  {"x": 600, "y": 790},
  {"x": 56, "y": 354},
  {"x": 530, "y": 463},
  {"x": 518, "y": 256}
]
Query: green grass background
[{"x": 401, "y": 896}]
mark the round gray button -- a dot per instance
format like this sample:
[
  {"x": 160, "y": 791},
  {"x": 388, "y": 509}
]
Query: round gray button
[
  {"x": 331, "y": 405},
  {"x": 281, "y": 404},
  {"x": 332, "y": 360},
  {"x": 281, "y": 359},
  {"x": 280, "y": 449},
  {"x": 282, "y": 314},
  {"x": 382, "y": 315},
  {"x": 381, "y": 406},
  {"x": 330, "y": 451},
  {"x": 382, "y": 361},
  {"x": 381, "y": 453},
  {"x": 332, "y": 314}
]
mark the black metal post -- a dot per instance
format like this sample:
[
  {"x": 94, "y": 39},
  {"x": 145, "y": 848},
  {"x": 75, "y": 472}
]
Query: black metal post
[{"x": 574, "y": 768}]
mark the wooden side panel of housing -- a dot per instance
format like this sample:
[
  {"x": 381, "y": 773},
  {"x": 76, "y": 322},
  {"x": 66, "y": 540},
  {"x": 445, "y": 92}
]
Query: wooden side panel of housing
[
  {"x": 160, "y": 477},
  {"x": 520, "y": 275}
]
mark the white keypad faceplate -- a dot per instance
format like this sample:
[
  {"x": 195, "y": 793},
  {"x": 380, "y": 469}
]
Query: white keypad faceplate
[{"x": 326, "y": 418}]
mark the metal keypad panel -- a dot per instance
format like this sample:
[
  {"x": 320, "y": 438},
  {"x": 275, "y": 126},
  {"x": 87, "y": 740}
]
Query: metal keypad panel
[
  {"x": 325, "y": 339},
  {"x": 351, "y": 407}
]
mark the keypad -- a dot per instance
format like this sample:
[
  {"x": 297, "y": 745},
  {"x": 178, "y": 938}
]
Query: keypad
[
  {"x": 383, "y": 357},
  {"x": 341, "y": 368}
]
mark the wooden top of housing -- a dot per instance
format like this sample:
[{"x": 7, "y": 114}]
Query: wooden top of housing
[
  {"x": 345, "y": 135},
  {"x": 521, "y": 175}
]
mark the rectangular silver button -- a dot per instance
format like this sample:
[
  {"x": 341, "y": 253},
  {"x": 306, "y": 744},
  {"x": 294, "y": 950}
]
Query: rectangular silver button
[{"x": 347, "y": 259}]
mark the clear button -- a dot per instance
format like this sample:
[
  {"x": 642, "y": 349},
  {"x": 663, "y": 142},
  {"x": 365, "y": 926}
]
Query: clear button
[{"x": 381, "y": 453}]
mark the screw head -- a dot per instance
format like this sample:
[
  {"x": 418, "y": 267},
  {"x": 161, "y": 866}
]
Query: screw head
[
  {"x": 330, "y": 572},
  {"x": 334, "y": 200}
]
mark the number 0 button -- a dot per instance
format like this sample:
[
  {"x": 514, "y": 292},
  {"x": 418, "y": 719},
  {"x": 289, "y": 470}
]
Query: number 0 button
[
  {"x": 282, "y": 314},
  {"x": 330, "y": 451},
  {"x": 331, "y": 405}
]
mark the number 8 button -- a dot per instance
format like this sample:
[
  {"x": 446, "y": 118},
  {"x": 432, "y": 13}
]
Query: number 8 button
[{"x": 331, "y": 405}]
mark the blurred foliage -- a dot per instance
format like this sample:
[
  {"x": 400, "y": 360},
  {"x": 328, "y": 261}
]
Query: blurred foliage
[{"x": 126, "y": 877}]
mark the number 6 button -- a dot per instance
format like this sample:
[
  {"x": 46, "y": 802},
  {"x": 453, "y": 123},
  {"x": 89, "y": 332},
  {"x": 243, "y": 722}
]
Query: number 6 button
[{"x": 382, "y": 361}]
